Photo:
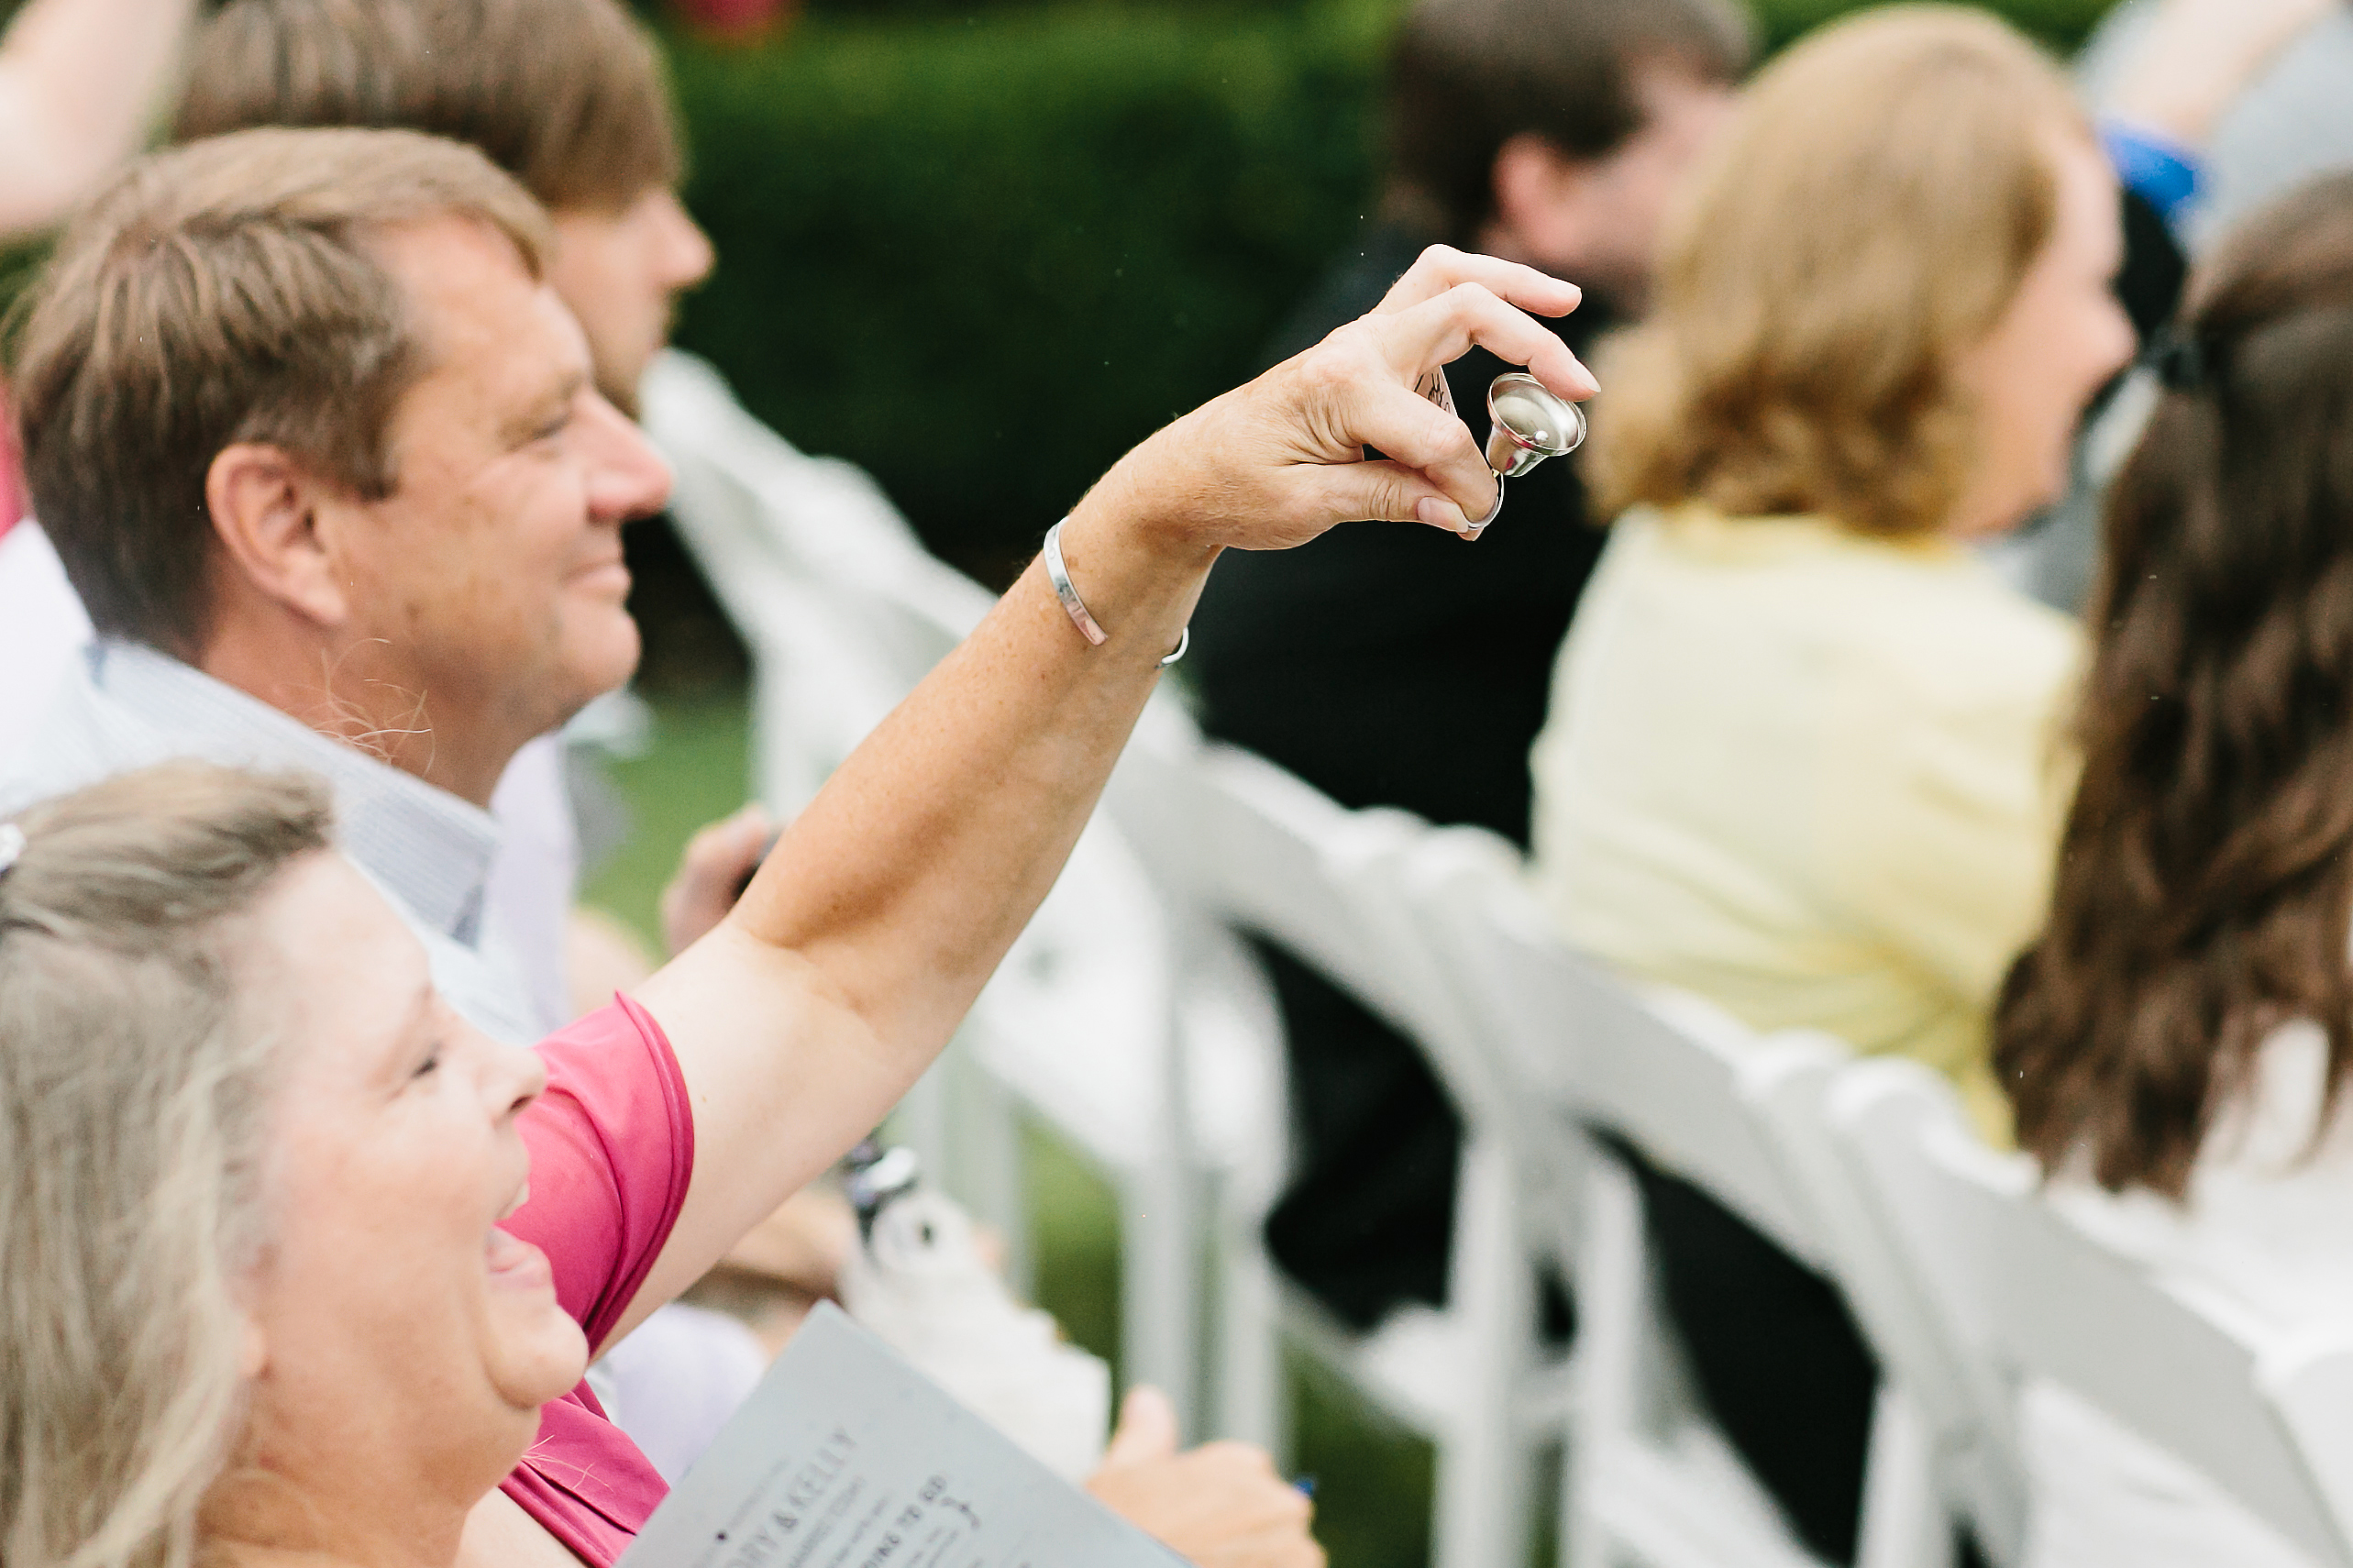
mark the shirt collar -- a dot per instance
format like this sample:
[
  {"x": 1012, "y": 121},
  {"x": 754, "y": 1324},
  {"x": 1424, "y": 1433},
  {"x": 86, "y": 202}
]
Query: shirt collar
[
  {"x": 1698, "y": 527},
  {"x": 428, "y": 847}
]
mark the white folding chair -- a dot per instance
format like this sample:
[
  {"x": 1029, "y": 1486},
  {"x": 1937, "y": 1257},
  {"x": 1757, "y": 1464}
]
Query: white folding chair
[
  {"x": 842, "y": 610},
  {"x": 1647, "y": 1477},
  {"x": 2267, "y": 1418},
  {"x": 1274, "y": 856},
  {"x": 1086, "y": 1023},
  {"x": 1961, "y": 1413}
]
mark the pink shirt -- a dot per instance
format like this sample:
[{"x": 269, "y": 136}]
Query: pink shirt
[
  {"x": 611, "y": 1150},
  {"x": 12, "y": 469}
]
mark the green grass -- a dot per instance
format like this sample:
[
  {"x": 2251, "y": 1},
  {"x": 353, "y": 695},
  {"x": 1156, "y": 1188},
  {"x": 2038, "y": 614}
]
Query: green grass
[
  {"x": 1373, "y": 1482},
  {"x": 696, "y": 769}
]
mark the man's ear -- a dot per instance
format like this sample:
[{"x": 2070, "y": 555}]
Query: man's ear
[
  {"x": 265, "y": 512},
  {"x": 1538, "y": 204}
]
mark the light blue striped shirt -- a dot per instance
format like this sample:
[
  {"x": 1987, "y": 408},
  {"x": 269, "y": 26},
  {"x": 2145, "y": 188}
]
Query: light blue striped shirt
[{"x": 124, "y": 706}]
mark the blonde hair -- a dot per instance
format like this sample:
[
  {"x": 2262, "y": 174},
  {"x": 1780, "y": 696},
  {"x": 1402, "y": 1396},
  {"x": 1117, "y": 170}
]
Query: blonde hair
[
  {"x": 133, "y": 1101},
  {"x": 567, "y": 95},
  {"x": 1868, "y": 219},
  {"x": 220, "y": 292}
]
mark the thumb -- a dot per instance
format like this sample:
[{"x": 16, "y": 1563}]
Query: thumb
[
  {"x": 1147, "y": 1428},
  {"x": 1392, "y": 491}
]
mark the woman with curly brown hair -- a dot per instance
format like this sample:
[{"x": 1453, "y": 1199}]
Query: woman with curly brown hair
[{"x": 2177, "y": 1042}]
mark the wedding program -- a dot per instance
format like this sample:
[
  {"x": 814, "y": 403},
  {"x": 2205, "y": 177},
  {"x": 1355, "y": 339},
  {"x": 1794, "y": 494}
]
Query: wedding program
[{"x": 846, "y": 1457}]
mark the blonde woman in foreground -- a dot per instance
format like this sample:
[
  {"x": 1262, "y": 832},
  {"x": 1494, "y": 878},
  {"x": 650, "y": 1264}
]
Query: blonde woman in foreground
[{"x": 1800, "y": 753}]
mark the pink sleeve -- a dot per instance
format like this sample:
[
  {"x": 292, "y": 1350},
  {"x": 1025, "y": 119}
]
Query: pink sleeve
[{"x": 612, "y": 1147}]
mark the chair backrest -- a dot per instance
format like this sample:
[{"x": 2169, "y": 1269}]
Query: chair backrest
[
  {"x": 824, "y": 517},
  {"x": 846, "y": 614},
  {"x": 1272, "y": 855},
  {"x": 1743, "y": 1117},
  {"x": 2038, "y": 1297},
  {"x": 1675, "y": 1077},
  {"x": 1963, "y": 1408}
]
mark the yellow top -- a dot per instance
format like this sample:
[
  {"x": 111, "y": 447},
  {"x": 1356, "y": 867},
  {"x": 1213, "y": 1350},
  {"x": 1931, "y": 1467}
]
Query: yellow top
[{"x": 1813, "y": 776}]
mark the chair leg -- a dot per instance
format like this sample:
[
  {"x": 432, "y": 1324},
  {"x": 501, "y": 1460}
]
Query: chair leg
[
  {"x": 1609, "y": 1402},
  {"x": 1250, "y": 1381},
  {"x": 964, "y": 1127},
  {"x": 991, "y": 1168},
  {"x": 1484, "y": 1461},
  {"x": 924, "y": 1115},
  {"x": 1251, "y": 1403},
  {"x": 1160, "y": 1284},
  {"x": 1905, "y": 1524}
]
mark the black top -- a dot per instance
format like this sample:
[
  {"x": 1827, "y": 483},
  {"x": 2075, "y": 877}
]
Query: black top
[{"x": 1391, "y": 663}]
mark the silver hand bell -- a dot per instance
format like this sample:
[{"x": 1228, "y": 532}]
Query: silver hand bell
[{"x": 1530, "y": 424}]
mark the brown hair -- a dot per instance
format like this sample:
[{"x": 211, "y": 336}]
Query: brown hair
[
  {"x": 1466, "y": 76},
  {"x": 566, "y": 96},
  {"x": 2205, "y": 878},
  {"x": 217, "y": 293},
  {"x": 133, "y": 1124},
  {"x": 1884, "y": 192}
]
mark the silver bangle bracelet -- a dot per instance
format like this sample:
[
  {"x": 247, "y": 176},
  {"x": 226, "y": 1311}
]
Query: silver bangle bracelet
[{"x": 1059, "y": 575}]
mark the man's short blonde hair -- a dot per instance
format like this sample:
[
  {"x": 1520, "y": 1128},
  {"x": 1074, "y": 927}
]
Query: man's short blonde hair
[
  {"x": 1868, "y": 219},
  {"x": 223, "y": 293}
]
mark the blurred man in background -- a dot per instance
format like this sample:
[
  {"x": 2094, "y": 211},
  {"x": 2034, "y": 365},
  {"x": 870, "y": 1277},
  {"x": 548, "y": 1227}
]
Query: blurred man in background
[{"x": 1388, "y": 669}]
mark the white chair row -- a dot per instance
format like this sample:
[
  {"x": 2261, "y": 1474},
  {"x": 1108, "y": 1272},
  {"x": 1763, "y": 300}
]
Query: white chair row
[
  {"x": 1251, "y": 845},
  {"x": 1172, "y": 1090},
  {"x": 1968, "y": 1285},
  {"x": 1647, "y": 1479},
  {"x": 1128, "y": 1018},
  {"x": 2267, "y": 1418},
  {"x": 1969, "y": 1288}
]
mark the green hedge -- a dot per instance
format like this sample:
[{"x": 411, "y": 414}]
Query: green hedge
[
  {"x": 983, "y": 258},
  {"x": 983, "y": 254}
]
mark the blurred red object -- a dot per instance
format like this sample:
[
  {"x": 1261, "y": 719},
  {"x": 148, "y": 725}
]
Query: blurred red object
[{"x": 737, "y": 21}]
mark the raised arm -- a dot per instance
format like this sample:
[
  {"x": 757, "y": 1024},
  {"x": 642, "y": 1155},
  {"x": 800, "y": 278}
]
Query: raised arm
[
  {"x": 2198, "y": 56},
  {"x": 804, "y": 1016},
  {"x": 78, "y": 81}
]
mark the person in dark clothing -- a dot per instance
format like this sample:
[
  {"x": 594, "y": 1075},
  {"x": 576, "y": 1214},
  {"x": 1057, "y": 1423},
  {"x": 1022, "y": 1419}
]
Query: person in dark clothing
[{"x": 1398, "y": 666}]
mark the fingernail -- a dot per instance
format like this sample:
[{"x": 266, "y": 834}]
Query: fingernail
[
  {"x": 1304, "y": 1485},
  {"x": 1441, "y": 512}
]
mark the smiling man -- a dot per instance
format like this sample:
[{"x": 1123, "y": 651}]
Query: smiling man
[
  {"x": 569, "y": 97},
  {"x": 380, "y": 540}
]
